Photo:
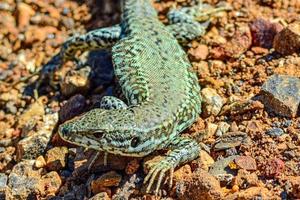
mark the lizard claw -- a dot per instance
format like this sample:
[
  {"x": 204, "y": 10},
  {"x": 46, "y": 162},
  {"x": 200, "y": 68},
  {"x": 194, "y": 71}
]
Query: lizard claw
[{"x": 158, "y": 170}]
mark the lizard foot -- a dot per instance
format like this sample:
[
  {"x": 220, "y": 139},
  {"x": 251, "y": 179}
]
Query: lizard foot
[{"x": 158, "y": 169}]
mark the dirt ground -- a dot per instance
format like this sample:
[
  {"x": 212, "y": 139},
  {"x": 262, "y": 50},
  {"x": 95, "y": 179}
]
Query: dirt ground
[{"x": 250, "y": 149}]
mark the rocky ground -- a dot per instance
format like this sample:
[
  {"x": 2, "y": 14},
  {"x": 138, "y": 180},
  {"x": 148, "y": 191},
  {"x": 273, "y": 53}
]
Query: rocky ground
[{"x": 249, "y": 130}]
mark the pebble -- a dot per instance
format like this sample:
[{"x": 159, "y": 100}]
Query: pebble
[
  {"x": 24, "y": 181},
  {"x": 199, "y": 53},
  {"x": 240, "y": 43},
  {"x": 24, "y": 13},
  {"x": 263, "y": 32},
  {"x": 40, "y": 162},
  {"x": 56, "y": 158},
  {"x": 230, "y": 140},
  {"x": 274, "y": 168},
  {"x": 287, "y": 41},
  {"x": 109, "y": 179},
  {"x": 132, "y": 166},
  {"x": 212, "y": 102},
  {"x": 201, "y": 186},
  {"x": 275, "y": 132},
  {"x": 246, "y": 162},
  {"x": 223, "y": 127},
  {"x": 211, "y": 129},
  {"x": 252, "y": 193},
  {"x": 245, "y": 179},
  {"x": 220, "y": 167},
  {"x": 100, "y": 196},
  {"x": 294, "y": 182},
  {"x": 76, "y": 81},
  {"x": 3, "y": 181},
  {"x": 73, "y": 107},
  {"x": 205, "y": 161},
  {"x": 281, "y": 94},
  {"x": 34, "y": 145},
  {"x": 52, "y": 181},
  {"x": 182, "y": 173}
]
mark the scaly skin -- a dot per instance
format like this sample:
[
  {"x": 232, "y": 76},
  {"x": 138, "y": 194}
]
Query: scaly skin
[{"x": 156, "y": 78}]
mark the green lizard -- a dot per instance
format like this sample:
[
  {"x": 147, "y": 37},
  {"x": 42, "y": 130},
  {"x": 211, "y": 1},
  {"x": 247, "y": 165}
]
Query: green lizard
[{"x": 156, "y": 78}]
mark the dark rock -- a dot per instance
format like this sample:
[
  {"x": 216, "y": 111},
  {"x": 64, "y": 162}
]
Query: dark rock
[
  {"x": 263, "y": 32},
  {"x": 287, "y": 41},
  {"x": 74, "y": 106},
  {"x": 276, "y": 132},
  {"x": 281, "y": 94}
]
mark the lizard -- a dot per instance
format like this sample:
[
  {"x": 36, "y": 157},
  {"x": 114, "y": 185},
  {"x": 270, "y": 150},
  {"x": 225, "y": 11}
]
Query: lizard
[{"x": 162, "y": 92}]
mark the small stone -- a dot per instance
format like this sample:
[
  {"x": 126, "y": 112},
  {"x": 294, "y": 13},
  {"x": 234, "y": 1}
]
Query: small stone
[
  {"x": 108, "y": 179},
  {"x": 3, "y": 181},
  {"x": 252, "y": 193},
  {"x": 132, "y": 166},
  {"x": 100, "y": 196},
  {"x": 275, "y": 132},
  {"x": 36, "y": 143},
  {"x": 246, "y": 162},
  {"x": 201, "y": 186},
  {"x": 31, "y": 115},
  {"x": 259, "y": 50},
  {"x": 211, "y": 129},
  {"x": 212, "y": 102},
  {"x": 221, "y": 166},
  {"x": 24, "y": 13},
  {"x": 74, "y": 106},
  {"x": 51, "y": 183},
  {"x": 205, "y": 160},
  {"x": 281, "y": 94},
  {"x": 199, "y": 53},
  {"x": 76, "y": 82},
  {"x": 40, "y": 162},
  {"x": 3, "y": 186},
  {"x": 253, "y": 126},
  {"x": 245, "y": 179},
  {"x": 223, "y": 127},
  {"x": 294, "y": 182},
  {"x": 240, "y": 43},
  {"x": 24, "y": 181},
  {"x": 274, "y": 168},
  {"x": 287, "y": 41},
  {"x": 182, "y": 173},
  {"x": 263, "y": 32},
  {"x": 230, "y": 140},
  {"x": 235, "y": 188},
  {"x": 56, "y": 158}
]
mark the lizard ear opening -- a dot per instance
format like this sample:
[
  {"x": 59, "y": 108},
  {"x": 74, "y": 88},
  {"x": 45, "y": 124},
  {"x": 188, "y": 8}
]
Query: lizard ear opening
[{"x": 98, "y": 135}]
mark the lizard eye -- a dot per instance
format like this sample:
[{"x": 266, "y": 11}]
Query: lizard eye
[
  {"x": 135, "y": 141},
  {"x": 98, "y": 135}
]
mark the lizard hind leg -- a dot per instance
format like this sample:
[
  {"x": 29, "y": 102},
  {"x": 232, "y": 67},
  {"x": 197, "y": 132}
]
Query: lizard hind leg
[
  {"x": 189, "y": 23},
  {"x": 182, "y": 150}
]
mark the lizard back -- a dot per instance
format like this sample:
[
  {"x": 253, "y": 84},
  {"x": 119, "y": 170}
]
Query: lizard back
[{"x": 154, "y": 73}]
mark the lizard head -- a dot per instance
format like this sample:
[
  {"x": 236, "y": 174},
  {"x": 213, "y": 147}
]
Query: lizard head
[{"x": 113, "y": 131}]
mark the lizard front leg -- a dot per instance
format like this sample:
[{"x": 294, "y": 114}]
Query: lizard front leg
[
  {"x": 111, "y": 102},
  {"x": 183, "y": 150},
  {"x": 102, "y": 38}
]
